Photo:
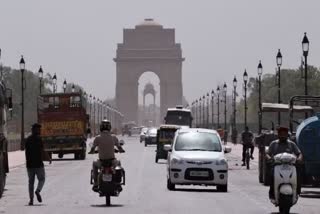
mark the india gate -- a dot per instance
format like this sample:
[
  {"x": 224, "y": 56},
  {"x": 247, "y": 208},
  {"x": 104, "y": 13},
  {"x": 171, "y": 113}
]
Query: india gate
[{"x": 148, "y": 48}]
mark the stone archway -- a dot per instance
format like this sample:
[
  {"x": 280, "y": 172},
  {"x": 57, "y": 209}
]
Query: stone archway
[
  {"x": 148, "y": 47},
  {"x": 149, "y": 89}
]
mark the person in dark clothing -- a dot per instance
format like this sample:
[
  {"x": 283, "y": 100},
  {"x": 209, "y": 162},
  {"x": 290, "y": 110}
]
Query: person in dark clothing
[
  {"x": 247, "y": 142},
  {"x": 35, "y": 155},
  {"x": 283, "y": 144}
]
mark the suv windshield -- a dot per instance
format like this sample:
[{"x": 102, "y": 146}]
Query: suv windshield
[{"x": 197, "y": 141}]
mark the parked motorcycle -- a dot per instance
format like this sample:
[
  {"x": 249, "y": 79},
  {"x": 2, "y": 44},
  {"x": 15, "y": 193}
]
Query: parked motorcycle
[
  {"x": 285, "y": 182},
  {"x": 111, "y": 178}
]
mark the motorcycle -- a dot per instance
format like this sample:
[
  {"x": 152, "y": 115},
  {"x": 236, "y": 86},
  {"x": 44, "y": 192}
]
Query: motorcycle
[
  {"x": 111, "y": 178},
  {"x": 285, "y": 182}
]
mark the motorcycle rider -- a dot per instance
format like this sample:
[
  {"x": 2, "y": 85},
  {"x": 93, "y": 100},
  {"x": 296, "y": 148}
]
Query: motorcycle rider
[
  {"x": 247, "y": 142},
  {"x": 105, "y": 142},
  {"x": 283, "y": 144}
]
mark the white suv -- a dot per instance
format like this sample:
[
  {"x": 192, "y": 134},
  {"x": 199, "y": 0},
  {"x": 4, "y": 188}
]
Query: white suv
[{"x": 197, "y": 158}]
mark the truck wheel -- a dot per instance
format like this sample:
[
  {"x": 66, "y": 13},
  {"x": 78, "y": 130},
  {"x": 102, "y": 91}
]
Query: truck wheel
[
  {"x": 170, "y": 186},
  {"x": 50, "y": 155},
  {"x": 266, "y": 176},
  {"x": 222, "y": 188},
  {"x": 60, "y": 155},
  {"x": 157, "y": 158},
  {"x": 76, "y": 156},
  {"x": 83, "y": 155},
  {"x": 260, "y": 167},
  {"x": 108, "y": 200}
]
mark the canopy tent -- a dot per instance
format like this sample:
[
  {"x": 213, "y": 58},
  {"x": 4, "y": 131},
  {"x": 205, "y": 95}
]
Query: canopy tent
[{"x": 280, "y": 107}]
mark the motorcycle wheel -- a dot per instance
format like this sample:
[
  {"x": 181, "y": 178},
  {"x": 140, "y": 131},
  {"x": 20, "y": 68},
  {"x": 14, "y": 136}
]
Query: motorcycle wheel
[
  {"x": 108, "y": 200},
  {"x": 285, "y": 204},
  {"x": 248, "y": 161}
]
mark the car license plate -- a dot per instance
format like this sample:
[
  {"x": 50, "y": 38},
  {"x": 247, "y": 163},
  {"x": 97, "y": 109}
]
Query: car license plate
[
  {"x": 107, "y": 177},
  {"x": 199, "y": 173}
]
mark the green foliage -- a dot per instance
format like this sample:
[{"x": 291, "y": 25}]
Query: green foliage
[
  {"x": 12, "y": 79},
  {"x": 292, "y": 83}
]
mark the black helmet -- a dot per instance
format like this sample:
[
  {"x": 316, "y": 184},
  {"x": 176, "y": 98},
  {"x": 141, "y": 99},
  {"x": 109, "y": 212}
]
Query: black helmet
[{"x": 105, "y": 125}]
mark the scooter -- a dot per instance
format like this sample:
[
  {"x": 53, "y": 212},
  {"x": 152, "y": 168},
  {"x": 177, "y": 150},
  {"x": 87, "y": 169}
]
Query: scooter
[
  {"x": 111, "y": 177},
  {"x": 285, "y": 182}
]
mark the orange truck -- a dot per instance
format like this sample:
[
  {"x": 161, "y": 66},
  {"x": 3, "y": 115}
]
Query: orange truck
[{"x": 64, "y": 123}]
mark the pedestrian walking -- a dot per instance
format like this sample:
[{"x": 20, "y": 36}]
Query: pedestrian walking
[{"x": 35, "y": 155}]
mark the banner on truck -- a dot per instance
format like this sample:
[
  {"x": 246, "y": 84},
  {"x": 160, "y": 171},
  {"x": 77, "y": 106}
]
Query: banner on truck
[{"x": 62, "y": 128}]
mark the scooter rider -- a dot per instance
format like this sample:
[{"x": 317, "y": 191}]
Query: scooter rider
[
  {"x": 283, "y": 144},
  {"x": 105, "y": 143}
]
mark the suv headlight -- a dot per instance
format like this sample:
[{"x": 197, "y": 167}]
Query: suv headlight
[
  {"x": 176, "y": 161},
  {"x": 221, "y": 162}
]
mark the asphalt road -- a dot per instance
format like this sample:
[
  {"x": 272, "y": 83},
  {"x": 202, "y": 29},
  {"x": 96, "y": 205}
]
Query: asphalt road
[{"x": 67, "y": 190}]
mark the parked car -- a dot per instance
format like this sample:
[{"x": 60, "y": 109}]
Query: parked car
[
  {"x": 143, "y": 134},
  {"x": 151, "y": 137},
  {"x": 197, "y": 158}
]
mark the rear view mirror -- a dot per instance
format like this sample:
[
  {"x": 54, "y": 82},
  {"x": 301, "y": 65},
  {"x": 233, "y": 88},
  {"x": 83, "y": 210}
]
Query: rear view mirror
[
  {"x": 167, "y": 148},
  {"x": 227, "y": 149}
]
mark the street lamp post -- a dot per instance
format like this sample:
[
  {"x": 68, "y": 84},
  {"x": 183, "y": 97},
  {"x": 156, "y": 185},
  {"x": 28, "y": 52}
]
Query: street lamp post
[
  {"x": 200, "y": 107},
  {"x": 196, "y": 114},
  {"x": 260, "y": 70},
  {"x": 94, "y": 116},
  {"x": 40, "y": 73},
  {"x": 98, "y": 103},
  {"x": 64, "y": 86},
  {"x": 108, "y": 113},
  {"x": 245, "y": 80},
  {"x": 279, "y": 63},
  {"x": 1, "y": 66},
  {"x": 225, "y": 106},
  {"x": 54, "y": 81},
  {"x": 218, "y": 105},
  {"x": 305, "y": 49},
  {"x": 73, "y": 88},
  {"x": 90, "y": 106},
  {"x": 204, "y": 111},
  {"x": 22, "y": 69},
  {"x": 208, "y": 105},
  {"x": 212, "y": 108},
  {"x": 234, "y": 128}
]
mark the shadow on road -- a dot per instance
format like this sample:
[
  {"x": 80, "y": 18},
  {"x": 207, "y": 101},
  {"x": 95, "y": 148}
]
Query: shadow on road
[
  {"x": 162, "y": 163},
  {"x": 104, "y": 206},
  {"x": 36, "y": 205},
  {"x": 64, "y": 159},
  {"x": 279, "y": 213},
  {"x": 195, "y": 190},
  {"x": 310, "y": 194}
]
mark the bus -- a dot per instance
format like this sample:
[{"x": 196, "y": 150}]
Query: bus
[{"x": 179, "y": 116}]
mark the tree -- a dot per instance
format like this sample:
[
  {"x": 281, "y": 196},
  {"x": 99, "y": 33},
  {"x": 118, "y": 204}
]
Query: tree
[{"x": 292, "y": 83}]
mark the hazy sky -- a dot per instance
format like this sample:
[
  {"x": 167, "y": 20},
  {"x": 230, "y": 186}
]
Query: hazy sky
[{"x": 77, "y": 39}]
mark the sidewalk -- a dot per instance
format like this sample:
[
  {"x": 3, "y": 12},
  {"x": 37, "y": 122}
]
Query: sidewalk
[{"x": 16, "y": 159}]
